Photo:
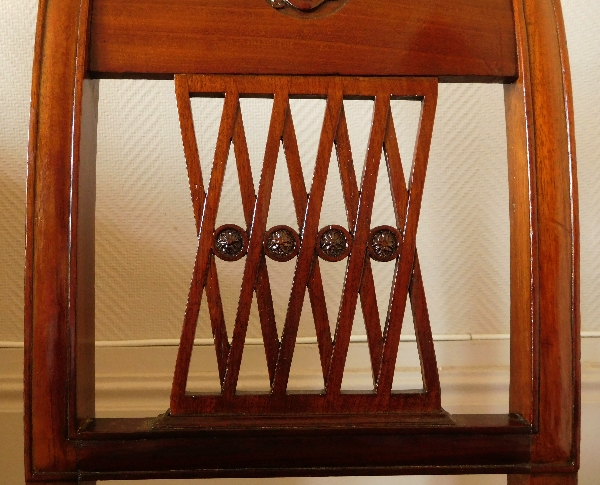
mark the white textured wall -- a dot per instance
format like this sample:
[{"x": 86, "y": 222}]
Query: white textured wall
[
  {"x": 145, "y": 231},
  {"x": 17, "y": 27},
  {"x": 145, "y": 227}
]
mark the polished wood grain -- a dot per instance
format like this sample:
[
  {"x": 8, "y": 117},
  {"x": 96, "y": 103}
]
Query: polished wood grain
[
  {"x": 263, "y": 287},
  {"x": 301, "y": 445},
  {"x": 167, "y": 425},
  {"x": 575, "y": 244},
  {"x": 302, "y": 5},
  {"x": 545, "y": 351},
  {"x": 407, "y": 215},
  {"x": 83, "y": 233},
  {"x": 56, "y": 400},
  {"x": 416, "y": 290},
  {"x": 368, "y": 299},
  {"x": 524, "y": 259},
  {"x": 473, "y": 39},
  {"x": 521, "y": 42},
  {"x": 556, "y": 186},
  {"x": 310, "y": 228},
  {"x": 315, "y": 283},
  {"x": 547, "y": 109}
]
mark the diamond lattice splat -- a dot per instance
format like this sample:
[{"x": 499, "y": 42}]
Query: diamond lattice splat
[{"x": 312, "y": 244}]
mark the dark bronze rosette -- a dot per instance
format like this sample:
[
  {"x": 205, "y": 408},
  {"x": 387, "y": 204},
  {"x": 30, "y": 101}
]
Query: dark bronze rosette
[
  {"x": 384, "y": 243},
  {"x": 281, "y": 243},
  {"x": 333, "y": 243},
  {"x": 230, "y": 242}
]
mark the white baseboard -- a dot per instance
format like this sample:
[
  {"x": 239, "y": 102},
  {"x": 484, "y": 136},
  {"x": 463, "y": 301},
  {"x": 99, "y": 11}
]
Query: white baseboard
[{"x": 137, "y": 381}]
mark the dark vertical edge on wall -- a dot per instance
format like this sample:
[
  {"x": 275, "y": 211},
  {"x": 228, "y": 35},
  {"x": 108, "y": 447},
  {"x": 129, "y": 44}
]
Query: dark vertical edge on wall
[
  {"x": 83, "y": 208},
  {"x": 556, "y": 439},
  {"x": 48, "y": 217},
  {"x": 524, "y": 310}
]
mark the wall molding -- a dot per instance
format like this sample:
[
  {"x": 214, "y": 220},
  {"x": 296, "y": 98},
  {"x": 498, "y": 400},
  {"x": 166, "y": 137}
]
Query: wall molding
[
  {"x": 9, "y": 344},
  {"x": 148, "y": 392},
  {"x": 137, "y": 381}
]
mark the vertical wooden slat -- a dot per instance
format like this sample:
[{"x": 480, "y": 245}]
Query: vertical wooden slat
[
  {"x": 82, "y": 399},
  {"x": 50, "y": 404},
  {"x": 244, "y": 168},
  {"x": 264, "y": 297},
  {"x": 315, "y": 282},
  {"x": 398, "y": 186},
  {"x": 405, "y": 263},
  {"x": 551, "y": 118},
  {"x": 204, "y": 254},
  {"x": 266, "y": 314},
  {"x": 524, "y": 296},
  {"x": 368, "y": 298},
  {"x": 359, "y": 246},
  {"x": 307, "y": 245},
  {"x": 83, "y": 251},
  {"x": 190, "y": 146},
  {"x": 416, "y": 290},
  {"x": 429, "y": 370},
  {"x": 255, "y": 246},
  {"x": 217, "y": 318}
]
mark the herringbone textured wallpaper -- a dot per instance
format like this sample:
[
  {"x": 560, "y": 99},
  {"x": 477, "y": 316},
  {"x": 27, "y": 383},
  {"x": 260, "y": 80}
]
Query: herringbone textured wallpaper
[
  {"x": 146, "y": 235},
  {"x": 145, "y": 230}
]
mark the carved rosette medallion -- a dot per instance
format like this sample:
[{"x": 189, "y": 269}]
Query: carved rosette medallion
[
  {"x": 333, "y": 243},
  {"x": 230, "y": 242},
  {"x": 384, "y": 243},
  {"x": 281, "y": 243}
]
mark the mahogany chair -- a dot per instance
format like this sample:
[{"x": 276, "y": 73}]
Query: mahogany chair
[{"x": 332, "y": 49}]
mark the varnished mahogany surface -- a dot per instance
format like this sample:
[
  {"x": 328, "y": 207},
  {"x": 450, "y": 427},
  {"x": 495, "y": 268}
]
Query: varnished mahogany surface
[
  {"x": 471, "y": 39},
  {"x": 545, "y": 320},
  {"x": 169, "y": 426},
  {"x": 267, "y": 445},
  {"x": 59, "y": 391}
]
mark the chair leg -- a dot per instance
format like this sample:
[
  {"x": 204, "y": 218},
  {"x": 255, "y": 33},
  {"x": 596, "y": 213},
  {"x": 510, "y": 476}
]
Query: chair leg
[{"x": 545, "y": 479}]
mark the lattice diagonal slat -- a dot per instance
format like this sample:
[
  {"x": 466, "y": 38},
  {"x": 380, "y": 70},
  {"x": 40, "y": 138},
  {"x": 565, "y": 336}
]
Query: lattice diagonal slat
[{"x": 357, "y": 246}]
